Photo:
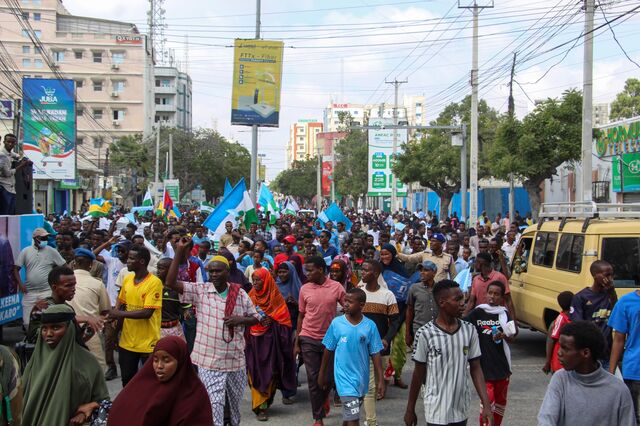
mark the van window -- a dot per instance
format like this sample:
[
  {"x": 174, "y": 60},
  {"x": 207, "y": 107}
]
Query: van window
[
  {"x": 545, "y": 248},
  {"x": 624, "y": 255},
  {"x": 521, "y": 258},
  {"x": 570, "y": 252}
]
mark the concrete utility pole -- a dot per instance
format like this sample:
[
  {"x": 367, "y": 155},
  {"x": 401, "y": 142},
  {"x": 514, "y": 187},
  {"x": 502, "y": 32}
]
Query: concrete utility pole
[
  {"x": 394, "y": 185},
  {"x": 463, "y": 175},
  {"x": 512, "y": 112},
  {"x": 473, "y": 175},
  {"x": 254, "y": 132},
  {"x": 157, "y": 177},
  {"x": 170, "y": 156},
  {"x": 319, "y": 180},
  {"x": 587, "y": 101},
  {"x": 333, "y": 171}
]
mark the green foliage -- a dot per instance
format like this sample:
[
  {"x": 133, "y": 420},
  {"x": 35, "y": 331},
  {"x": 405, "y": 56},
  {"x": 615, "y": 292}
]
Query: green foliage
[
  {"x": 300, "y": 180},
  {"x": 533, "y": 149},
  {"x": 431, "y": 160},
  {"x": 200, "y": 157},
  {"x": 627, "y": 102},
  {"x": 351, "y": 171}
]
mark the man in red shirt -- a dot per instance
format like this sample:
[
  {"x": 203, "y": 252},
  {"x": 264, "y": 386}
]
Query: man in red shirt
[{"x": 481, "y": 282}]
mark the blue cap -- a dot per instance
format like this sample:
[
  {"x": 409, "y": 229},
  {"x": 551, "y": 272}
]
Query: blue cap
[
  {"x": 427, "y": 264},
  {"x": 83, "y": 252},
  {"x": 439, "y": 237}
]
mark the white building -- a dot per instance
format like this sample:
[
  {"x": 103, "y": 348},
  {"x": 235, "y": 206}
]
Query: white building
[{"x": 173, "y": 98}]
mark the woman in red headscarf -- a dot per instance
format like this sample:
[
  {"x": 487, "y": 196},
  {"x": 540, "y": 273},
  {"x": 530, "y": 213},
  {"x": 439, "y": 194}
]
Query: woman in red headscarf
[
  {"x": 269, "y": 350},
  {"x": 166, "y": 391}
]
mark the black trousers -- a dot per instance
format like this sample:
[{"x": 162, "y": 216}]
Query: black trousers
[
  {"x": 130, "y": 362},
  {"x": 462, "y": 423}
]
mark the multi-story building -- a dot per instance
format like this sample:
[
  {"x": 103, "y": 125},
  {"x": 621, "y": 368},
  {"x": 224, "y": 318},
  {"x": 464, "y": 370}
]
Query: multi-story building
[
  {"x": 173, "y": 98},
  {"x": 600, "y": 114},
  {"x": 303, "y": 140},
  {"x": 333, "y": 111},
  {"x": 110, "y": 61}
]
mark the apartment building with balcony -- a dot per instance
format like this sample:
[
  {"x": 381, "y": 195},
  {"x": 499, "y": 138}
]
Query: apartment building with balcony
[
  {"x": 303, "y": 140},
  {"x": 172, "y": 98}
]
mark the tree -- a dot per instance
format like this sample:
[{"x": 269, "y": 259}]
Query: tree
[
  {"x": 434, "y": 163},
  {"x": 533, "y": 149},
  {"x": 200, "y": 157},
  {"x": 627, "y": 102},
  {"x": 351, "y": 172},
  {"x": 299, "y": 181}
]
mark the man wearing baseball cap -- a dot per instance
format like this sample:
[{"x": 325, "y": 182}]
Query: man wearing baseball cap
[
  {"x": 91, "y": 299},
  {"x": 444, "y": 261},
  {"x": 38, "y": 260}
]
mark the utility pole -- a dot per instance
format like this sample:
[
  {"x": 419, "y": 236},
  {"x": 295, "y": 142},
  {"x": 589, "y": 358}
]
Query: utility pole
[
  {"x": 512, "y": 112},
  {"x": 254, "y": 131},
  {"x": 587, "y": 101},
  {"x": 463, "y": 175},
  {"x": 319, "y": 180},
  {"x": 157, "y": 177},
  {"x": 170, "y": 155},
  {"x": 473, "y": 175},
  {"x": 394, "y": 185},
  {"x": 106, "y": 170},
  {"x": 333, "y": 170}
]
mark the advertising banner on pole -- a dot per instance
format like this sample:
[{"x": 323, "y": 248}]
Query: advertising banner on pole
[
  {"x": 629, "y": 180},
  {"x": 172, "y": 186},
  {"x": 380, "y": 158},
  {"x": 49, "y": 127},
  {"x": 257, "y": 77}
]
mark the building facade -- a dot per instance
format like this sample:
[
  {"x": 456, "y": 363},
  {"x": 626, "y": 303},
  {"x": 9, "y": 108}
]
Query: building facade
[
  {"x": 600, "y": 114},
  {"x": 111, "y": 65},
  {"x": 172, "y": 98},
  {"x": 303, "y": 140}
]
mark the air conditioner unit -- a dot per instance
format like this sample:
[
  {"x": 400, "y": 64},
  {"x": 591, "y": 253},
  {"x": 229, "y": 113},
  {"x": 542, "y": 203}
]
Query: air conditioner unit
[
  {"x": 116, "y": 123},
  {"x": 55, "y": 65},
  {"x": 115, "y": 94},
  {"x": 115, "y": 66}
]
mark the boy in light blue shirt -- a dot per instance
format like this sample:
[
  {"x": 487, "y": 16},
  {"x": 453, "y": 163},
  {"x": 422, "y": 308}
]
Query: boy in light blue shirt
[
  {"x": 349, "y": 342},
  {"x": 625, "y": 322}
]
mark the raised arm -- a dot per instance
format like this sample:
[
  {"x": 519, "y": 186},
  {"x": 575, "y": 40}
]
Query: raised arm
[{"x": 172, "y": 276}]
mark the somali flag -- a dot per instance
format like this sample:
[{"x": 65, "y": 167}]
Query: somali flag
[
  {"x": 335, "y": 215},
  {"x": 227, "y": 187},
  {"x": 268, "y": 203},
  {"x": 226, "y": 210}
]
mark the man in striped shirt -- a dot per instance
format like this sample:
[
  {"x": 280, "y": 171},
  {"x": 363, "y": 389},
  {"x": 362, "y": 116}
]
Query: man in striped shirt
[{"x": 443, "y": 347}]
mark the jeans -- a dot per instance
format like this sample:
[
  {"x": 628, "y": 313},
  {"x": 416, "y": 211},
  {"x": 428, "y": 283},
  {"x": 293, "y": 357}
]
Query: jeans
[
  {"x": 130, "y": 363},
  {"x": 634, "y": 388},
  {"x": 7, "y": 202}
]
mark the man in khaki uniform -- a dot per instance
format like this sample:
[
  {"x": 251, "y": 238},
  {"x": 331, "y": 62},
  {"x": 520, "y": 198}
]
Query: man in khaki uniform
[
  {"x": 91, "y": 299},
  {"x": 444, "y": 261}
]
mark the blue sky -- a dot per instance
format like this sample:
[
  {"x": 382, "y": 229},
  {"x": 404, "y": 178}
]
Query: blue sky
[{"x": 382, "y": 39}]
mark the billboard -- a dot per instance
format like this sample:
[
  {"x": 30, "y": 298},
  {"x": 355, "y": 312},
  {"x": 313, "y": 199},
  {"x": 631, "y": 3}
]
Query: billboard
[
  {"x": 49, "y": 127},
  {"x": 630, "y": 181},
  {"x": 622, "y": 137},
  {"x": 380, "y": 158},
  {"x": 257, "y": 76},
  {"x": 172, "y": 186}
]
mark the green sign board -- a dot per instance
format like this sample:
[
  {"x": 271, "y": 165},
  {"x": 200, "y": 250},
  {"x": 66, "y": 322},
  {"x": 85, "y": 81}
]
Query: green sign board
[
  {"x": 629, "y": 180},
  {"x": 172, "y": 186}
]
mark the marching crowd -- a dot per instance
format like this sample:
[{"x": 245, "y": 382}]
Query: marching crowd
[{"x": 195, "y": 318}]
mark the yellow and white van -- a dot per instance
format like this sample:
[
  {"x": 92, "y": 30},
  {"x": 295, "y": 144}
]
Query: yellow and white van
[{"x": 555, "y": 254}]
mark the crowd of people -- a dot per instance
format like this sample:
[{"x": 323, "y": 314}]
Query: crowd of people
[{"x": 193, "y": 318}]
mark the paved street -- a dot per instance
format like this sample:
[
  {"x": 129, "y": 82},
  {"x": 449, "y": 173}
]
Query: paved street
[{"x": 526, "y": 391}]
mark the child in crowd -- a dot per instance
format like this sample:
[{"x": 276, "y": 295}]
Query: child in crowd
[
  {"x": 495, "y": 328},
  {"x": 349, "y": 342},
  {"x": 552, "y": 363}
]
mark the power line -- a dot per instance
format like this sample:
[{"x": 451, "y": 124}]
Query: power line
[{"x": 616, "y": 38}]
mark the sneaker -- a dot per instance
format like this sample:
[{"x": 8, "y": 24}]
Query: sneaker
[{"x": 112, "y": 373}]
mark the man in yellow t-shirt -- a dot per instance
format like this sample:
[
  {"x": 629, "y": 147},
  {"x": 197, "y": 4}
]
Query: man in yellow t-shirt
[{"x": 140, "y": 307}]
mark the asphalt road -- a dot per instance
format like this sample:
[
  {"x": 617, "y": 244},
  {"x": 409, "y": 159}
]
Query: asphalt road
[{"x": 526, "y": 391}]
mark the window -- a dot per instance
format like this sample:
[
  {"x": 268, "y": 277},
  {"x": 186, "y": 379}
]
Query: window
[
  {"x": 545, "y": 248},
  {"x": 80, "y": 112},
  {"x": 97, "y": 85},
  {"x": 165, "y": 82},
  {"x": 80, "y": 141},
  {"x": 97, "y": 57},
  {"x": 78, "y": 54},
  {"x": 37, "y": 50},
  {"x": 624, "y": 255},
  {"x": 163, "y": 101},
  {"x": 25, "y": 16},
  {"x": 97, "y": 113},
  {"x": 36, "y": 2},
  {"x": 37, "y": 16},
  {"x": 25, "y": 33},
  {"x": 570, "y": 253},
  {"x": 118, "y": 114},
  {"x": 26, "y": 49},
  {"x": 117, "y": 57},
  {"x": 118, "y": 86},
  {"x": 58, "y": 55},
  {"x": 79, "y": 84},
  {"x": 38, "y": 63},
  {"x": 26, "y": 62},
  {"x": 37, "y": 33}
]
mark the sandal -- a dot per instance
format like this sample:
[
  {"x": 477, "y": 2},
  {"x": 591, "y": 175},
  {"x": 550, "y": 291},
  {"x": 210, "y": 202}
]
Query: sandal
[
  {"x": 262, "y": 416},
  {"x": 399, "y": 383}
]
